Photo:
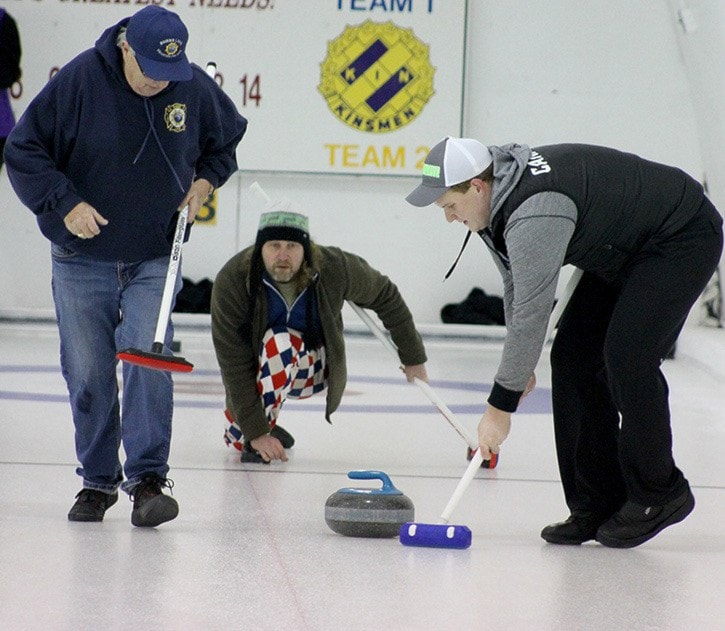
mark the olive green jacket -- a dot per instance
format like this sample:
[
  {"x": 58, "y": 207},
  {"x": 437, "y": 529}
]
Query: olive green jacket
[{"x": 238, "y": 324}]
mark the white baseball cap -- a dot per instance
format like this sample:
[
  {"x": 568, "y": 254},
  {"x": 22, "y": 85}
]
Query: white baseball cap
[{"x": 450, "y": 162}]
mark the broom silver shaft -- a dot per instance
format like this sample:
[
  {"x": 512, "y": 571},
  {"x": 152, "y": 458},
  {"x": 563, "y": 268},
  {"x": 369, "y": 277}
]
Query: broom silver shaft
[{"x": 168, "y": 295}]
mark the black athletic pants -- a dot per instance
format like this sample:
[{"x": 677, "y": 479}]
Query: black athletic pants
[{"x": 606, "y": 361}]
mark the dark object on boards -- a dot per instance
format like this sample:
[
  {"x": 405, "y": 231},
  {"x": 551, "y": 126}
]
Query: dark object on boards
[
  {"x": 194, "y": 297},
  {"x": 477, "y": 308}
]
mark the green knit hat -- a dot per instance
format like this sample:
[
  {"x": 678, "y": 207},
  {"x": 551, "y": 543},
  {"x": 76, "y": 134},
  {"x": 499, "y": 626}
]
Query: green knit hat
[
  {"x": 283, "y": 225},
  {"x": 284, "y": 219}
]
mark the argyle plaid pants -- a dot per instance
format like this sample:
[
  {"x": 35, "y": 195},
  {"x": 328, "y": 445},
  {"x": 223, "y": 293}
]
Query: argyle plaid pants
[{"x": 287, "y": 369}]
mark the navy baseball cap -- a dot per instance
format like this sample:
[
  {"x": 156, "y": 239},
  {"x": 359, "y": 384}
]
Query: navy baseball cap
[{"x": 158, "y": 38}]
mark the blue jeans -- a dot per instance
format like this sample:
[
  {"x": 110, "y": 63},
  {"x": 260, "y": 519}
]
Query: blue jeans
[{"x": 103, "y": 307}]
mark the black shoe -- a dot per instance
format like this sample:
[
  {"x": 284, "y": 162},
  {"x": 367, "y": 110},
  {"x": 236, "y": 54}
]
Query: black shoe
[
  {"x": 581, "y": 526},
  {"x": 91, "y": 505},
  {"x": 283, "y": 436},
  {"x": 249, "y": 454},
  {"x": 634, "y": 524},
  {"x": 150, "y": 506}
]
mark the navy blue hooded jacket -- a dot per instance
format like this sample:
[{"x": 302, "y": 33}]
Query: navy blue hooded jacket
[{"x": 87, "y": 136}]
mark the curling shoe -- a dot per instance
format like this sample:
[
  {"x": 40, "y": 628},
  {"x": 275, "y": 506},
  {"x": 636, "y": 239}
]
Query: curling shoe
[
  {"x": 249, "y": 454},
  {"x": 91, "y": 505},
  {"x": 634, "y": 524},
  {"x": 150, "y": 506},
  {"x": 580, "y": 526},
  {"x": 283, "y": 436}
]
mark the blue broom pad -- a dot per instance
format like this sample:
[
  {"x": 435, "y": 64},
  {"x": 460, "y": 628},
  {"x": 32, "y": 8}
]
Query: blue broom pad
[{"x": 435, "y": 535}]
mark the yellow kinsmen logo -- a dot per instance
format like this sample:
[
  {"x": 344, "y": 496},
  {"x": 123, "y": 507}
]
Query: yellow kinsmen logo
[{"x": 377, "y": 77}]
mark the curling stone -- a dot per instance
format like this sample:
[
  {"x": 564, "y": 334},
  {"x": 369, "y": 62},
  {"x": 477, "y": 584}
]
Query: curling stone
[{"x": 371, "y": 512}]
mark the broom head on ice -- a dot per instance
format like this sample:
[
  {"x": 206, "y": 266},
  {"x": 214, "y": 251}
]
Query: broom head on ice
[{"x": 155, "y": 359}]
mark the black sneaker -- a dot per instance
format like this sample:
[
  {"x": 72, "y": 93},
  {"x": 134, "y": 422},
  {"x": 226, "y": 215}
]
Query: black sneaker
[
  {"x": 634, "y": 524},
  {"x": 581, "y": 526},
  {"x": 91, "y": 505},
  {"x": 150, "y": 506}
]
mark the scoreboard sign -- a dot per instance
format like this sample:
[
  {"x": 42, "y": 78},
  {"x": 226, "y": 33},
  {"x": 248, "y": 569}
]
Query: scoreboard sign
[
  {"x": 377, "y": 77},
  {"x": 328, "y": 86}
]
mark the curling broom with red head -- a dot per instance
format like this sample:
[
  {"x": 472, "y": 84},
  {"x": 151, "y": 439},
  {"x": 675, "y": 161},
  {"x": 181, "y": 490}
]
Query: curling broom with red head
[{"x": 155, "y": 358}]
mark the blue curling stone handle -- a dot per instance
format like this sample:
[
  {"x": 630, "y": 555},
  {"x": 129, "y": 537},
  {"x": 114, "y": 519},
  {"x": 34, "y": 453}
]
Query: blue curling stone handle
[
  {"x": 435, "y": 535},
  {"x": 388, "y": 487}
]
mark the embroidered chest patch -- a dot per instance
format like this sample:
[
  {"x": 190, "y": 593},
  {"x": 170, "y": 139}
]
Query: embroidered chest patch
[{"x": 175, "y": 117}]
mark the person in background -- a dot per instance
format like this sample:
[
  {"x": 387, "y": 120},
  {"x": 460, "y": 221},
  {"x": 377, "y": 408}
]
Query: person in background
[
  {"x": 10, "y": 52},
  {"x": 647, "y": 240},
  {"x": 118, "y": 141},
  {"x": 278, "y": 332}
]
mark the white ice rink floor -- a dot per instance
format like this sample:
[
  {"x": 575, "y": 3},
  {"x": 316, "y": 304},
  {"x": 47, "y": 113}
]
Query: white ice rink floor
[{"x": 251, "y": 550}]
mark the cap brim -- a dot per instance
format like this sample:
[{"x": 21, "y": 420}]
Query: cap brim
[
  {"x": 425, "y": 195},
  {"x": 179, "y": 70}
]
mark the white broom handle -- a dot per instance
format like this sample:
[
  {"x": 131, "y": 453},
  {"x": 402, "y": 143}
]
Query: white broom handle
[
  {"x": 374, "y": 329},
  {"x": 427, "y": 390},
  {"x": 562, "y": 302},
  {"x": 470, "y": 473},
  {"x": 255, "y": 188},
  {"x": 446, "y": 412},
  {"x": 174, "y": 258}
]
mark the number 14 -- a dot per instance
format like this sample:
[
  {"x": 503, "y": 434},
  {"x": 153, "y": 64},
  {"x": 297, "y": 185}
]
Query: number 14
[{"x": 251, "y": 90}]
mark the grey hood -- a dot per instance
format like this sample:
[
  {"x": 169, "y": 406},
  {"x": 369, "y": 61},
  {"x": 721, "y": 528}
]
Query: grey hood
[{"x": 509, "y": 163}]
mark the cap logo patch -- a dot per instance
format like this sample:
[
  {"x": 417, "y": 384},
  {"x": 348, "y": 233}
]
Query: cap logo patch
[
  {"x": 169, "y": 48},
  {"x": 175, "y": 117},
  {"x": 431, "y": 170}
]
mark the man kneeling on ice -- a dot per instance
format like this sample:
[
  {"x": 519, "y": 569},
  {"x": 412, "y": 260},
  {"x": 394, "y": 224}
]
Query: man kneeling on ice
[{"x": 278, "y": 332}]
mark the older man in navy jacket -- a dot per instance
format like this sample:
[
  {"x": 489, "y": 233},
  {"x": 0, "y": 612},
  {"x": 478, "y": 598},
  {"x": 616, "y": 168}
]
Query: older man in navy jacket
[{"x": 119, "y": 139}]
